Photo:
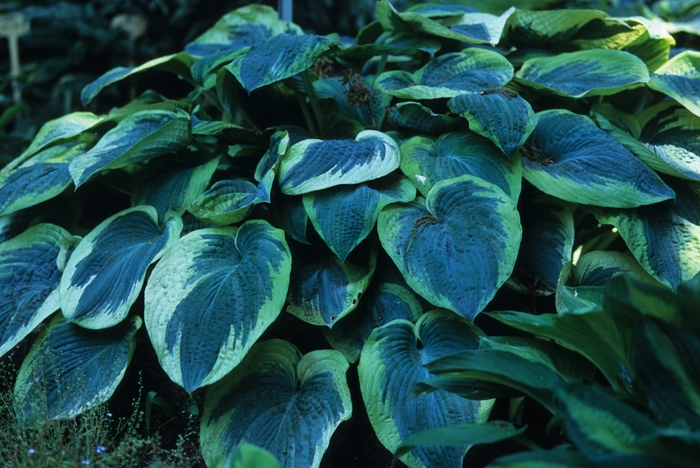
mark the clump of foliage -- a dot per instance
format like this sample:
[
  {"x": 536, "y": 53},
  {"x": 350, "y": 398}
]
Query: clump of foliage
[{"x": 451, "y": 164}]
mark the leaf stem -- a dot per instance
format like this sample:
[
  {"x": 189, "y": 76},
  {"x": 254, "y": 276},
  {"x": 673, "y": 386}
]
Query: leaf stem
[
  {"x": 382, "y": 64},
  {"x": 307, "y": 114},
  {"x": 313, "y": 99}
]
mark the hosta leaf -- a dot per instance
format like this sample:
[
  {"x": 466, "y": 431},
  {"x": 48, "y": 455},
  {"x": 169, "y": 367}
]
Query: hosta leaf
[
  {"x": 665, "y": 237},
  {"x": 212, "y": 295},
  {"x": 175, "y": 190},
  {"x": 461, "y": 434},
  {"x": 30, "y": 272},
  {"x": 670, "y": 133},
  {"x": 548, "y": 240},
  {"x": 323, "y": 289},
  {"x": 230, "y": 133},
  {"x": 458, "y": 249},
  {"x": 629, "y": 298},
  {"x": 470, "y": 71},
  {"x": 292, "y": 217},
  {"x": 250, "y": 456},
  {"x": 317, "y": 164},
  {"x": 40, "y": 178},
  {"x": 418, "y": 118},
  {"x": 427, "y": 162},
  {"x": 581, "y": 287},
  {"x": 496, "y": 367},
  {"x": 599, "y": 422},
  {"x": 679, "y": 78},
  {"x": 385, "y": 302},
  {"x": 137, "y": 138},
  {"x": 653, "y": 45},
  {"x": 548, "y": 27},
  {"x": 343, "y": 216},
  {"x": 55, "y": 211},
  {"x": 570, "y": 158},
  {"x": 561, "y": 456},
  {"x": 176, "y": 63},
  {"x": 595, "y": 335},
  {"x": 273, "y": 59},
  {"x": 499, "y": 114},
  {"x": 240, "y": 28},
  {"x": 227, "y": 202},
  {"x": 70, "y": 369},
  {"x": 278, "y": 399},
  {"x": 465, "y": 26},
  {"x": 105, "y": 274},
  {"x": 667, "y": 360},
  {"x": 393, "y": 361},
  {"x": 598, "y": 72},
  {"x": 56, "y": 131}
]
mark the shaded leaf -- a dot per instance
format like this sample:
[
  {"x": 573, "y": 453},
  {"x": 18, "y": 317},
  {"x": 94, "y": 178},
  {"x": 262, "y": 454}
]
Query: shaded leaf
[
  {"x": 418, "y": 118},
  {"x": 227, "y": 202}
]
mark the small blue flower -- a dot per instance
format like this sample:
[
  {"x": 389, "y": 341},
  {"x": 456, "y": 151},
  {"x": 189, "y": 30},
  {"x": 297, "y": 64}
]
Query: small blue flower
[
  {"x": 85, "y": 462},
  {"x": 109, "y": 415},
  {"x": 31, "y": 451},
  {"x": 100, "y": 449}
]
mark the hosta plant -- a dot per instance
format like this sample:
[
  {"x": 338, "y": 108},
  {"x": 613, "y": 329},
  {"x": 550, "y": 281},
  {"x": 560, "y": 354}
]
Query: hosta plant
[{"x": 391, "y": 192}]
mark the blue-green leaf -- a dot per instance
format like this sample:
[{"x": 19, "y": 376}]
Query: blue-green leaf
[
  {"x": 384, "y": 303},
  {"x": 458, "y": 249},
  {"x": 393, "y": 361},
  {"x": 276, "y": 398},
  {"x": 30, "y": 272},
  {"x": 176, "y": 63},
  {"x": 679, "y": 78},
  {"x": 251, "y": 456},
  {"x": 240, "y": 28},
  {"x": 470, "y": 71},
  {"x": 42, "y": 177},
  {"x": 57, "y": 131},
  {"x": 499, "y": 114},
  {"x": 105, "y": 274},
  {"x": 418, "y": 118},
  {"x": 665, "y": 237},
  {"x": 548, "y": 240},
  {"x": 317, "y": 164},
  {"x": 427, "y": 162},
  {"x": 548, "y": 27},
  {"x": 273, "y": 59},
  {"x": 137, "y": 138},
  {"x": 597, "y": 72},
  {"x": 343, "y": 216},
  {"x": 227, "y": 202},
  {"x": 323, "y": 289},
  {"x": 570, "y": 158},
  {"x": 370, "y": 113},
  {"x": 670, "y": 133},
  {"x": 292, "y": 217},
  {"x": 212, "y": 295},
  {"x": 174, "y": 190},
  {"x": 70, "y": 369}
]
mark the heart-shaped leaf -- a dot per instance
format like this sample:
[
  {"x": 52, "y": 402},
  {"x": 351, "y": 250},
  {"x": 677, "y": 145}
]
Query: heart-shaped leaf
[
  {"x": 57, "y": 131},
  {"x": 240, "y": 28},
  {"x": 548, "y": 27},
  {"x": 384, "y": 303},
  {"x": 106, "y": 272},
  {"x": 665, "y": 237},
  {"x": 137, "y": 138},
  {"x": 212, "y": 295},
  {"x": 570, "y": 158},
  {"x": 343, "y": 216},
  {"x": 42, "y": 177},
  {"x": 30, "y": 272},
  {"x": 273, "y": 59},
  {"x": 176, "y": 63},
  {"x": 276, "y": 398},
  {"x": 458, "y": 249},
  {"x": 470, "y": 71},
  {"x": 418, "y": 118},
  {"x": 427, "y": 162},
  {"x": 392, "y": 363},
  {"x": 499, "y": 114},
  {"x": 227, "y": 202},
  {"x": 323, "y": 289},
  {"x": 679, "y": 78},
  {"x": 597, "y": 72},
  {"x": 174, "y": 190},
  {"x": 548, "y": 240},
  {"x": 70, "y": 369},
  {"x": 317, "y": 164}
]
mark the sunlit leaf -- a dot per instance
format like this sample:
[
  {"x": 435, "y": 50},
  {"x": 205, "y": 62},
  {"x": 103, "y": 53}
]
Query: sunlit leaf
[{"x": 679, "y": 78}]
